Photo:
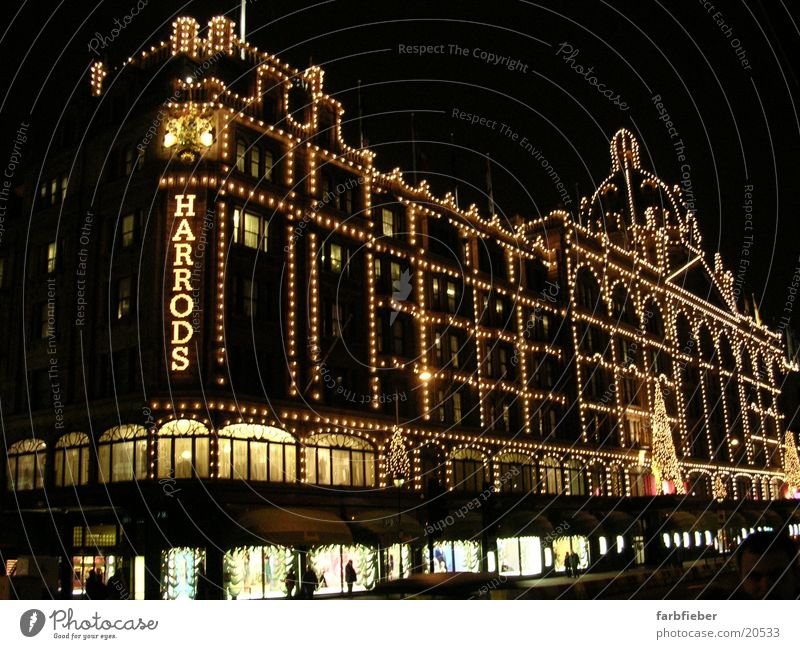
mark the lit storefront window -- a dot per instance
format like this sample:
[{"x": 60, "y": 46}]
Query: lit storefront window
[
  {"x": 122, "y": 454},
  {"x": 329, "y": 561},
  {"x": 456, "y": 556},
  {"x": 179, "y": 571},
  {"x": 603, "y": 544},
  {"x": 257, "y": 572},
  {"x": 575, "y": 544},
  {"x": 520, "y": 555},
  {"x": 340, "y": 460},
  {"x": 72, "y": 460},
  {"x": 26, "y": 464},
  {"x": 104, "y": 567},
  {"x": 258, "y": 453},
  {"x": 183, "y": 449},
  {"x": 395, "y": 556}
]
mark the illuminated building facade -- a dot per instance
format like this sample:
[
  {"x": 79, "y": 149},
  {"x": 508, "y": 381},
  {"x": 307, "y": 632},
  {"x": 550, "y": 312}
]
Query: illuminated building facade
[{"x": 252, "y": 346}]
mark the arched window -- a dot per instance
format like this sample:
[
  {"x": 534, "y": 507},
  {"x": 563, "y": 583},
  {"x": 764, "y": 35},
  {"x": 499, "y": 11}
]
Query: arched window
[
  {"x": 652, "y": 321},
  {"x": 122, "y": 454},
  {"x": 587, "y": 289},
  {"x": 341, "y": 460},
  {"x": 684, "y": 341},
  {"x": 516, "y": 473},
  {"x": 744, "y": 487},
  {"x": 616, "y": 479},
  {"x": 72, "y": 460},
  {"x": 26, "y": 460},
  {"x": 469, "y": 470},
  {"x": 707, "y": 350},
  {"x": 255, "y": 452},
  {"x": 700, "y": 485},
  {"x": 621, "y": 305},
  {"x": 552, "y": 482},
  {"x": 641, "y": 482},
  {"x": 726, "y": 359},
  {"x": 183, "y": 449},
  {"x": 747, "y": 365},
  {"x": 576, "y": 477},
  {"x": 597, "y": 485},
  {"x": 433, "y": 466}
]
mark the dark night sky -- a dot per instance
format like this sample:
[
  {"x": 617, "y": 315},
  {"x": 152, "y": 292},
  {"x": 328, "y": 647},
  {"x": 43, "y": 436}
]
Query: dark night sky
[{"x": 739, "y": 126}]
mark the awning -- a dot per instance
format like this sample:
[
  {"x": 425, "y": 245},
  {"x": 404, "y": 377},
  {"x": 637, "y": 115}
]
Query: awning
[
  {"x": 382, "y": 526},
  {"x": 461, "y": 528},
  {"x": 521, "y": 523},
  {"x": 293, "y": 527},
  {"x": 618, "y": 523},
  {"x": 581, "y": 523},
  {"x": 707, "y": 521},
  {"x": 678, "y": 522}
]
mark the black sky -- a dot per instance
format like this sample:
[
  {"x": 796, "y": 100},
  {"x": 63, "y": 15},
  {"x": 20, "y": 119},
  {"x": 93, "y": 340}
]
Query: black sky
[{"x": 739, "y": 126}]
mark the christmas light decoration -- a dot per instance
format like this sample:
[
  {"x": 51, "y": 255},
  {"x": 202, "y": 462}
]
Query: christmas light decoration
[
  {"x": 791, "y": 463},
  {"x": 665, "y": 463},
  {"x": 720, "y": 490},
  {"x": 398, "y": 465}
]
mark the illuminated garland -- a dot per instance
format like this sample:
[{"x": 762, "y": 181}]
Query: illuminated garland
[
  {"x": 720, "y": 490},
  {"x": 791, "y": 463},
  {"x": 665, "y": 462},
  {"x": 397, "y": 462}
]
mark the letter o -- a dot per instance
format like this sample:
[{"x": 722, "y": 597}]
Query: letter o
[{"x": 173, "y": 305}]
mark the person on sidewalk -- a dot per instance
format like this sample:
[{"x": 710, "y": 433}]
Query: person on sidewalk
[{"x": 350, "y": 576}]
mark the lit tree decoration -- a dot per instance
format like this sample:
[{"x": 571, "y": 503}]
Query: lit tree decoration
[
  {"x": 791, "y": 463},
  {"x": 720, "y": 490},
  {"x": 398, "y": 465},
  {"x": 665, "y": 463}
]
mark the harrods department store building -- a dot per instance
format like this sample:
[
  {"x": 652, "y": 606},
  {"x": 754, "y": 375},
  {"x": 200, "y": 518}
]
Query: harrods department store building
[{"x": 237, "y": 343}]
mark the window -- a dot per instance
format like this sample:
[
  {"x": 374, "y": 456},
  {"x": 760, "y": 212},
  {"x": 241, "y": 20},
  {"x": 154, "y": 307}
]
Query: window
[
  {"x": 269, "y": 164},
  {"x": 133, "y": 161},
  {"x": 576, "y": 477},
  {"x": 255, "y": 162},
  {"x": 451, "y": 297},
  {"x": 123, "y": 298},
  {"x": 469, "y": 470},
  {"x": 340, "y": 460},
  {"x": 435, "y": 295},
  {"x": 128, "y": 227},
  {"x": 52, "y": 253},
  {"x": 455, "y": 345},
  {"x": 517, "y": 473},
  {"x": 336, "y": 258},
  {"x": 398, "y": 337},
  {"x": 122, "y": 454},
  {"x": 250, "y": 298},
  {"x": 258, "y": 453},
  {"x": 26, "y": 465},
  {"x": 551, "y": 476},
  {"x": 616, "y": 477},
  {"x": 254, "y": 234},
  {"x": 43, "y": 325},
  {"x": 396, "y": 275},
  {"x": 387, "y": 222},
  {"x": 183, "y": 450},
  {"x": 72, "y": 460},
  {"x": 241, "y": 152}
]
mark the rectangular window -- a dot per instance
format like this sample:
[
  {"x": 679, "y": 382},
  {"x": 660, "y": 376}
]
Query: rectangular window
[
  {"x": 52, "y": 251},
  {"x": 435, "y": 292},
  {"x": 54, "y": 194},
  {"x": 451, "y": 297},
  {"x": 255, "y": 162},
  {"x": 269, "y": 164},
  {"x": 64, "y": 180},
  {"x": 387, "y": 222},
  {"x": 336, "y": 258},
  {"x": 457, "y": 407},
  {"x": 123, "y": 298},
  {"x": 396, "y": 273},
  {"x": 241, "y": 150},
  {"x": 454, "y": 346},
  {"x": 250, "y": 298},
  {"x": 236, "y": 227},
  {"x": 378, "y": 268},
  {"x": 128, "y": 224}
]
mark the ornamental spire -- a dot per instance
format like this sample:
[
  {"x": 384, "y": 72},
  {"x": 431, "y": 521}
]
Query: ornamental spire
[{"x": 665, "y": 462}]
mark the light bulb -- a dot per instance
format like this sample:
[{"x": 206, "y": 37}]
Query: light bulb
[{"x": 169, "y": 140}]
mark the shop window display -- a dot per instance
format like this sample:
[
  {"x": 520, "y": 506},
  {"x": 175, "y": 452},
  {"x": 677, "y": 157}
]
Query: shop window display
[
  {"x": 457, "y": 556},
  {"x": 520, "y": 555},
  {"x": 328, "y": 562},
  {"x": 257, "y": 572},
  {"x": 397, "y": 557},
  {"x": 179, "y": 571},
  {"x": 576, "y": 544}
]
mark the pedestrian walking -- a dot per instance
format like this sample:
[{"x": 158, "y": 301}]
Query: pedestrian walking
[{"x": 350, "y": 576}]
